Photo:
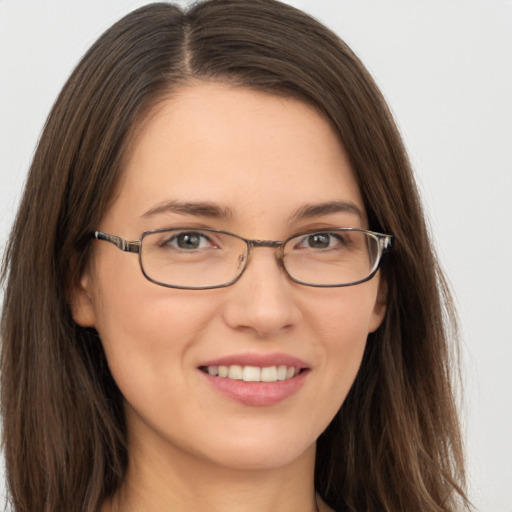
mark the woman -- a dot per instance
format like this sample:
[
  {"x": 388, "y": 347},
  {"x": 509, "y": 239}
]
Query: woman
[{"x": 273, "y": 344}]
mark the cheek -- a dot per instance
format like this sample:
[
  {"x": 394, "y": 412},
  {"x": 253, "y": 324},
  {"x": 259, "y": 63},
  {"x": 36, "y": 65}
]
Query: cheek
[
  {"x": 344, "y": 316},
  {"x": 341, "y": 326},
  {"x": 147, "y": 331}
]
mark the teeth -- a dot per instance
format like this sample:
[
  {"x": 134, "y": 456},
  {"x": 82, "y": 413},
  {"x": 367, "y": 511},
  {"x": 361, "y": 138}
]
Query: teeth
[
  {"x": 269, "y": 374},
  {"x": 235, "y": 372},
  {"x": 213, "y": 370},
  {"x": 281, "y": 372},
  {"x": 253, "y": 373}
]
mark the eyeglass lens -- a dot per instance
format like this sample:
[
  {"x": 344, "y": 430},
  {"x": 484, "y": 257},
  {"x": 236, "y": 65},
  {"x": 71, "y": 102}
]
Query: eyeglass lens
[{"x": 209, "y": 258}]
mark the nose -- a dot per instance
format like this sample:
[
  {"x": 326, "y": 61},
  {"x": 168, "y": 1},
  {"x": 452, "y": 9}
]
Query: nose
[{"x": 263, "y": 300}]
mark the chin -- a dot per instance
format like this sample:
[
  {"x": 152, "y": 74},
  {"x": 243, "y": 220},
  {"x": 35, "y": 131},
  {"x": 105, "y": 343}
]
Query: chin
[
  {"x": 256, "y": 453},
  {"x": 265, "y": 460}
]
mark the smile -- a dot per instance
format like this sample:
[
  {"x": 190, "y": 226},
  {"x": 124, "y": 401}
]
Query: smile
[
  {"x": 253, "y": 373},
  {"x": 256, "y": 379}
]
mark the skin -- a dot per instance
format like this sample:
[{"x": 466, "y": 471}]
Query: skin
[{"x": 192, "y": 448}]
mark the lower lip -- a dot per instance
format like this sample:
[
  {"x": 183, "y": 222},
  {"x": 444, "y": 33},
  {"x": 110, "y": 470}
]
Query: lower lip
[{"x": 257, "y": 393}]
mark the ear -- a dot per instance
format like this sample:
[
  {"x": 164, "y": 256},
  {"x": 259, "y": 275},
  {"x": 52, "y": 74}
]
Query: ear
[
  {"x": 81, "y": 301},
  {"x": 379, "y": 309}
]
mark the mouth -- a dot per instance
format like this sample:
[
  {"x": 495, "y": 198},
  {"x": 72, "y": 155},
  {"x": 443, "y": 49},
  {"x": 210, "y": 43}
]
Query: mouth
[
  {"x": 253, "y": 373},
  {"x": 256, "y": 379}
]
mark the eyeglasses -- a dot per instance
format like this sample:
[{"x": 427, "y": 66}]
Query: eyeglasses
[{"x": 200, "y": 259}]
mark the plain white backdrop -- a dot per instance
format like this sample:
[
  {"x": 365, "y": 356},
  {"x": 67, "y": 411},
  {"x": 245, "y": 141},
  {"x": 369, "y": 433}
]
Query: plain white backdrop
[{"x": 445, "y": 67}]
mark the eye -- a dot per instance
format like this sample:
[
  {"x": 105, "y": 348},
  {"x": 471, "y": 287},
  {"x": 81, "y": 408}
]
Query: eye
[
  {"x": 321, "y": 241},
  {"x": 188, "y": 241}
]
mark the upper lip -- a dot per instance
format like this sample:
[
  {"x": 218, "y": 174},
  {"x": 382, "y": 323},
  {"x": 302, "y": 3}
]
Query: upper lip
[{"x": 261, "y": 360}]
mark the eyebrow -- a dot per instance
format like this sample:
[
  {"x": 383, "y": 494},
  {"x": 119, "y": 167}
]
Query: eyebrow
[
  {"x": 211, "y": 210},
  {"x": 199, "y": 209},
  {"x": 319, "y": 209}
]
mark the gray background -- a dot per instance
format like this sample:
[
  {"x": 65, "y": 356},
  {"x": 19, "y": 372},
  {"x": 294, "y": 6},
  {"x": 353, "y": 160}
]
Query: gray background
[{"x": 445, "y": 67}]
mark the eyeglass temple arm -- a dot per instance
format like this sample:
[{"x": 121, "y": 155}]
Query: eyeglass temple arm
[
  {"x": 386, "y": 242},
  {"x": 119, "y": 242}
]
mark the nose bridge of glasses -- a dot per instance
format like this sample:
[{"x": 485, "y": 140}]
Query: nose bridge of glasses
[
  {"x": 265, "y": 243},
  {"x": 271, "y": 244}
]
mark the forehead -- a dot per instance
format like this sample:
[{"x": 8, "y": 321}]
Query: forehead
[{"x": 245, "y": 150}]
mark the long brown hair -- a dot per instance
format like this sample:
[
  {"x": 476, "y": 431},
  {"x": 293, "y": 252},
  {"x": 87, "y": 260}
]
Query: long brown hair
[{"x": 395, "y": 443}]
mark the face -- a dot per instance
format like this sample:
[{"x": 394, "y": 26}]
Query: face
[{"x": 256, "y": 161}]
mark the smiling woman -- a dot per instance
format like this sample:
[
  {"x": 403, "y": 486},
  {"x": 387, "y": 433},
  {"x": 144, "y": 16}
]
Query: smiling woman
[
  {"x": 264, "y": 339},
  {"x": 159, "y": 345}
]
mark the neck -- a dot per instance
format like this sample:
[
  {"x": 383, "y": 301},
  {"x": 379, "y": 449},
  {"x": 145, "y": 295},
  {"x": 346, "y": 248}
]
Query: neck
[{"x": 163, "y": 482}]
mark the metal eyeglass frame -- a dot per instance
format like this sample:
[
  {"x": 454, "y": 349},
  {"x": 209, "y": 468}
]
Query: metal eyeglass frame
[{"x": 385, "y": 243}]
